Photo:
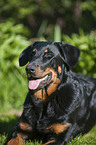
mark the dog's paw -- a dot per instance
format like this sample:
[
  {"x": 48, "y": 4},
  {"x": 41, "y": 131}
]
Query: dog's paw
[{"x": 16, "y": 141}]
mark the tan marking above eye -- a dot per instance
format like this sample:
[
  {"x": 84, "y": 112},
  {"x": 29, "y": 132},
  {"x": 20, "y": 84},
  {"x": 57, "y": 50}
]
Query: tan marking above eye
[
  {"x": 34, "y": 50},
  {"x": 58, "y": 128},
  {"x": 49, "y": 55},
  {"x": 46, "y": 51}
]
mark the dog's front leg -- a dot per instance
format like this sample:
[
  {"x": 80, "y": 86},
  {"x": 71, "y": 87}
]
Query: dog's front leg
[
  {"x": 73, "y": 130},
  {"x": 16, "y": 141},
  {"x": 24, "y": 128},
  {"x": 21, "y": 132},
  {"x": 25, "y": 125}
]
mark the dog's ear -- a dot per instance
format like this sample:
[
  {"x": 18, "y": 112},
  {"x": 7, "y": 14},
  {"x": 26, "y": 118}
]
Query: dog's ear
[
  {"x": 24, "y": 56},
  {"x": 70, "y": 54}
]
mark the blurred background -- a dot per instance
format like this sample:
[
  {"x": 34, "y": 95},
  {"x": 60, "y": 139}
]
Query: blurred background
[{"x": 23, "y": 22}]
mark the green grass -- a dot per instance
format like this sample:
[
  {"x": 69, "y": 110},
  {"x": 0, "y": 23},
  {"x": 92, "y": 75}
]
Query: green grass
[{"x": 8, "y": 121}]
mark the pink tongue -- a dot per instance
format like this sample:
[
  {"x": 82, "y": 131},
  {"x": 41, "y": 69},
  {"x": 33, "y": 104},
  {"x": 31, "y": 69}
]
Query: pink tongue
[{"x": 33, "y": 84}]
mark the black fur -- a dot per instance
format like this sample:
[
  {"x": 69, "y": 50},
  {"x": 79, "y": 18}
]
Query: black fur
[{"x": 72, "y": 103}]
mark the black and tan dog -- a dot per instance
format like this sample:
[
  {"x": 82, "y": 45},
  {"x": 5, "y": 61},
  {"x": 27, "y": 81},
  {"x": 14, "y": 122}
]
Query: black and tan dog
[{"x": 60, "y": 104}]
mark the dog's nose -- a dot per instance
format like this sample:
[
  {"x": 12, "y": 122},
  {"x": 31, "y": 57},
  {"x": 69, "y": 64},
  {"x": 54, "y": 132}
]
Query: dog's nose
[{"x": 30, "y": 69}]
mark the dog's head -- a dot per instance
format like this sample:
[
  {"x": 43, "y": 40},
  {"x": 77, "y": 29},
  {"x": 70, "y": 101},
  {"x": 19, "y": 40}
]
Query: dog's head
[{"x": 46, "y": 61}]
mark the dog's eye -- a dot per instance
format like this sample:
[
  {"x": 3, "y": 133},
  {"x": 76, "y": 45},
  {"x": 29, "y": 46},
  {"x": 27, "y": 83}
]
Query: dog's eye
[
  {"x": 48, "y": 55},
  {"x": 33, "y": 52}
]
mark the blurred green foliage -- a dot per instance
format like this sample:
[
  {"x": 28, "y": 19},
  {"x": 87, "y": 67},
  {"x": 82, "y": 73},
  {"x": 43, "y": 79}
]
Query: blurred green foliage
[
  {"x": 12, "y": 79},
  {"x": 87, "y": 44},
  {"x": 68, "y": 14}
]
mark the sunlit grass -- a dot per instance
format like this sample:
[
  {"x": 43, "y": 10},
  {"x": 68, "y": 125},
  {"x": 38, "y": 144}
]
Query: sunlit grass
[{"x": 8, "y": 121}]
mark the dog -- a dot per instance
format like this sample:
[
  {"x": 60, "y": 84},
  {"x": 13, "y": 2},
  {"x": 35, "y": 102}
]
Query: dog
[{"x": 60, "y": 104}]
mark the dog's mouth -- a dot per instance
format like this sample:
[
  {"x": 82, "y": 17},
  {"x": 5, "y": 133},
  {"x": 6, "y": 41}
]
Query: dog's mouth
[{"x": 37, "y": 83}]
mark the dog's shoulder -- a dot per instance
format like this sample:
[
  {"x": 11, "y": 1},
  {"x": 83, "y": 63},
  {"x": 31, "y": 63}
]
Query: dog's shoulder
[{"x": 86, "y": 79}]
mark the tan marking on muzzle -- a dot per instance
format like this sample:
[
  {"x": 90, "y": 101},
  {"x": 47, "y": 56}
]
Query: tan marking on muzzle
[
  {"x": 53, "y": 84},
  {"x": 39, "y": 72},
  {"x": 54, "y": 81}
]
